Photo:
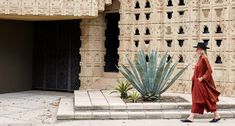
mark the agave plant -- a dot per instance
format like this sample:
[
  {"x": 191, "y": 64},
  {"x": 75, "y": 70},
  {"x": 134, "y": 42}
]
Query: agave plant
[
  {"x": 123, "y": 87},
  {"x": 150, "y": 79}
]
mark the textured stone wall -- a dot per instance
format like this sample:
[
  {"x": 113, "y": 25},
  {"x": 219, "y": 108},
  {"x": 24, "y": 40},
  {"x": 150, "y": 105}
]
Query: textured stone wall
[
  {"x": 92, "y": 51},
  {"x": 78, "y": 8},
  {"x": 177, "y": 27}
]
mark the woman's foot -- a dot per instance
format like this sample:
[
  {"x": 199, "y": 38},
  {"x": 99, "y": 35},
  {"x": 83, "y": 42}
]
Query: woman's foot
[
  {"x": 215, "y": 120},
  {"x": 187, "y": 120},
  {"x": 216, "y": 117}
]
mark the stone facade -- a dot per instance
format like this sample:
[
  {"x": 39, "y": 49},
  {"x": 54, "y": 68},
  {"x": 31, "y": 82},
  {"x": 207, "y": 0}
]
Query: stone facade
[
  {"x": 75, "y": 8},
  {"x": 173, "y": 25},
  {"x": 176, "y": 26}
]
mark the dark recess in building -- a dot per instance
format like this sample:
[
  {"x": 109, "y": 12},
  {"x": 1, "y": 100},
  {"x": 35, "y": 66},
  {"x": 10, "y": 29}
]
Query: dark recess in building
[{"x": 112, "y": 42}]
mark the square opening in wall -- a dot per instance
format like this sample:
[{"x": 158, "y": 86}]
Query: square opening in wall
[
  {"x": 206, "y": 41},
  {"x": 218, "y": 29},
  {"x": 181, "y": 42},
  {"x": 137, "y": 16},
  {"x": 181, "y": 3},
  {"x": 169, "y": 43},
  {"x": 218, "y": 60},
  {"x": 136, "y": 43},
  {"x": 181, "y": 59},
  {"x": 146, "y": 41},
  {"x": 218, "y": 42},
  {"x": 169, "y": 15},
  {"x": 169, "y": 4},
  {"x": 147, "y": 15},
  {"x": 206, "y": 30},
  {"x": 137, "y": 5},
  {"x": 181, "y": 13}
]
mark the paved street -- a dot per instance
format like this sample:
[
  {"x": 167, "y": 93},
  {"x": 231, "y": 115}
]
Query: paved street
[{"x": 39, "y": 108}]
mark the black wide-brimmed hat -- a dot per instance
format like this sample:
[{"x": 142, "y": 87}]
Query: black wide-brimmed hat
[{"x": 201, "y": 45}]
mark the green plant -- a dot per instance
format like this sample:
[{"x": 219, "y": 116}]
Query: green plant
[
  {"x": 134, "y": 96},
  {"x": 123, "y": 87},
  {"x": 149, "y": 78}
]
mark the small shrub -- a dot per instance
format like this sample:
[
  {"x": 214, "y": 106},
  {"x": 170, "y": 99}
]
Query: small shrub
[
  {"x": 123, "y": 87},
  {"x": 134, "y": 96}
]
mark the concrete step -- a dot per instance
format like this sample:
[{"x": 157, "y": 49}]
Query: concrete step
[
  {"x": 66, "y": 109},
  {"x": 93, "y": 104},
  {"x": 103, "y": 100},
  {"x": 106, "y": 115}
]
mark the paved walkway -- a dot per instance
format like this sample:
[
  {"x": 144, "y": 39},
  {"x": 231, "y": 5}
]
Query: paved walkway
[
  {"x": 172, "y": 122},
  {"x": 40, "y": 107},
  {"x": 30, "y": 107}
]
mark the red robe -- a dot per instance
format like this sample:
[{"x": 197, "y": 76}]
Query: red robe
[{"x": 204, "y": 93}]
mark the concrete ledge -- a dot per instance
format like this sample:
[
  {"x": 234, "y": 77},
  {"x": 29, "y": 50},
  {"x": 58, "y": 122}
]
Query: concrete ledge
[
  {"x": 136, "y": 106},
  {"x": 136, "y": 115},
  {"x": 152, "y": 106},
  {"x": 172, "y": 115},
  {"x": 101, "y": 115},
  {"x": 80, "y": 115},
  {"x": 119, "y": 115},
  {"x": 167, "y": 106},
  {"x": 101, "y": 106},
  {"x": 155, "y": 115},
  {"x": 65, "y": 110}
]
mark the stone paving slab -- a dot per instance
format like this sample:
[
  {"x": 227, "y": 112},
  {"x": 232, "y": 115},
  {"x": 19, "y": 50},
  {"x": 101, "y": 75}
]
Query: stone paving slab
[
  {"x": 136, "y": 115},
  {"x": 83, "y": 115},
  {"x": 152, "y": 106},
  {"x": 101, "y": 115},
  {"x": 119, "y": 115},
  {"x": 104, "y": 100},
  {"x": 134, "y": 106},
  {"x": 82, "y": 100},
  {"x": 113, "y": 100},
  {"x": 154, "y": 115},
  {"x": 66, "y": 109},
  {"x": 172, "y": 115},
  {"x": 30, "y": 107},
  {"x": 98, "y": 100}
]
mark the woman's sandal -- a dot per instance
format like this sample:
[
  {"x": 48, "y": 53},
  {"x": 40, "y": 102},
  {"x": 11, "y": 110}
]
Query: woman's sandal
[
  {"x": 187, "y": 120},
  {"x": 214, "y": 120}
]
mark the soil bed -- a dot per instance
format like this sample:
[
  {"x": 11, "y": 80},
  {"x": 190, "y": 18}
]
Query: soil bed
[{"x": 174, "y": 99}]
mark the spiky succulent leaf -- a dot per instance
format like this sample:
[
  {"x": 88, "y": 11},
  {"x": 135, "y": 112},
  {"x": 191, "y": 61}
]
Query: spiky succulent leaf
[{"x": 150, "y": 79}]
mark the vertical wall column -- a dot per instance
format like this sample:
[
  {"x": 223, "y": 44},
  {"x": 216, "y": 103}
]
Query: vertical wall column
[{"x": 92, "y": 51}]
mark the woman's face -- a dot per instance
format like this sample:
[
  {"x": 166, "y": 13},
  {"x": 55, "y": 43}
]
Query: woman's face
[{"x": 199, "y": 51}]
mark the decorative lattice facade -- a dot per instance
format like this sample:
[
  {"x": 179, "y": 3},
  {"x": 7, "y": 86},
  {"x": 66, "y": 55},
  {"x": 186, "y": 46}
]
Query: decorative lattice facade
[{"x": 176, "y": 26}]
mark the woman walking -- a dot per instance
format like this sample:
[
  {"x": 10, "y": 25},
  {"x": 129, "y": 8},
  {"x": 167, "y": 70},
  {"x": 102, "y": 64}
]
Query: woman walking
[{"x": 204, "y": 93}]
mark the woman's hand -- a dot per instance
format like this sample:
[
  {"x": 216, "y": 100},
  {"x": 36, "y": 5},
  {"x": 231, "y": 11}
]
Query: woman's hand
[{"x": 200, "y": 79}]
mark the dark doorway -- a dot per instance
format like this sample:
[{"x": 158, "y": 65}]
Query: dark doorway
[
  {"x": 56, "y": 59},
  {"x": 112, "y": 42}
]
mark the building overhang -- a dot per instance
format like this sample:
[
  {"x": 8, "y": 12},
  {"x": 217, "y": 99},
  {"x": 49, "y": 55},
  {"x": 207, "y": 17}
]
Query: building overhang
[{"x": 51, "y": 9}]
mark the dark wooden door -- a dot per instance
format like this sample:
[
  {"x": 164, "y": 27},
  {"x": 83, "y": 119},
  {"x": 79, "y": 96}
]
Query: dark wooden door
[{"x": 56, "y": 55}]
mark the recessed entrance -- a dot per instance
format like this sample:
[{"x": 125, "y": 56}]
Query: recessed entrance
[
  {"x": 56, "y": 55},
  {"x": 111, "y": 42}
]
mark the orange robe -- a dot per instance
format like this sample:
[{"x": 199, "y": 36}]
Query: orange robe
[{"x": 204, "y": 93}]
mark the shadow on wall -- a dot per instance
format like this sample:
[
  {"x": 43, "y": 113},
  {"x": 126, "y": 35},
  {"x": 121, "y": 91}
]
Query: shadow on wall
[{"x": 16, "y": 38}]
